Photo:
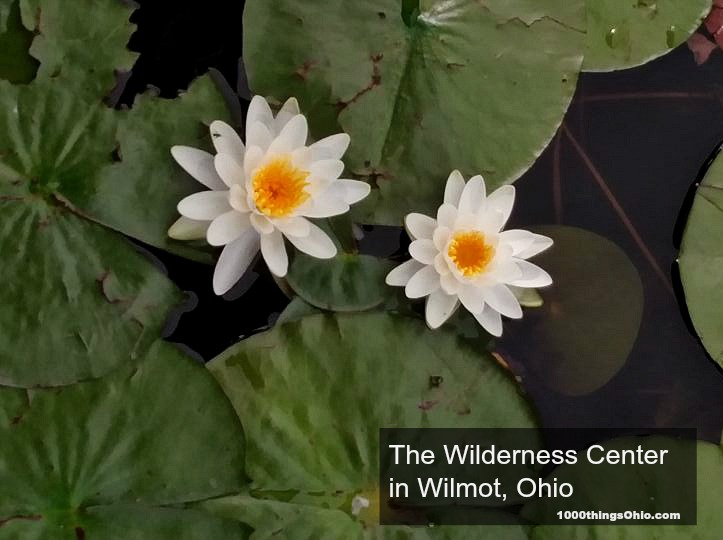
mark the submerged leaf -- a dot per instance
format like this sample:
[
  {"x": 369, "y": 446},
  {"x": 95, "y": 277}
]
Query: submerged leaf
[{"x": 479, "y": 86}]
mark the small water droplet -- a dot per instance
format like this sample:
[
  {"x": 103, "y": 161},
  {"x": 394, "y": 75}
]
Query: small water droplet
[
  {"x": 670, "y": 36},
  {"x": 610, "y": 37}
]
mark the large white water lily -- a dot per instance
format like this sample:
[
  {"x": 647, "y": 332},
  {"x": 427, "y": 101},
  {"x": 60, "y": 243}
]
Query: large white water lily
[
  {"x": 263, "y": 191},
  {"x": 464, "y": 256}
]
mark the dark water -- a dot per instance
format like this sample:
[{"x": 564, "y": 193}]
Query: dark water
[{"x": 647, "y": 134}]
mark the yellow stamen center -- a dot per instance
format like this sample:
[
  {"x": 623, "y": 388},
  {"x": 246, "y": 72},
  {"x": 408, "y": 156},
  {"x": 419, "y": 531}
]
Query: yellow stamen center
[
  {"x": 470, "y": 252},
  {"x": 279, "y": 187}
]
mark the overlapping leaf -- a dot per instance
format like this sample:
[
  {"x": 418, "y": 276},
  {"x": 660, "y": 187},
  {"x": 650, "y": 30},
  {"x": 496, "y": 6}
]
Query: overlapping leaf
[
  {"x": 122, "y": 456},
  {"x": 701, "y": 261},
  {"x": 313, "y": 393},
  {"x": 626, "y": 34},
  {"x": 479, "y": 86}
]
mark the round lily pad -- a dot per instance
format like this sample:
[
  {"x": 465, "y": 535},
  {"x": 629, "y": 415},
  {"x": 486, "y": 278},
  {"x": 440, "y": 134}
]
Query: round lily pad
[
  {"x": 121, "y": 457},
  {"x": 348, "y": 282},
  {"x": 701, "y": 261},
  {"x": 627, "y": 33},
  {"x": 647, "y": 491},
  {"x": 422, "y": 90},
  {"x": 313, "y": 393},
  {"x": 588, "y": 323}
]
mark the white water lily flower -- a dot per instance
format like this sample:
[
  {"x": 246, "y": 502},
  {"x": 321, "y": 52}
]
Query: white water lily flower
[
  {"x": 465, "y": 257},
  {"x": 263, "y": 191}
]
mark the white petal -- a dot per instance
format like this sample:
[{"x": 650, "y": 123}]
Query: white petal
[
  {"x": 424, "y": 282},
  {"x": 293, "y": 226},
  {"x": 188, "y": 229},
  {"x": 227, "y": 227},
  {"x": 331, "y": 147},
  {"x": 490, "y": 320},
  {"x": 327, "y": 168},
  {"x": 323, "y": 205},
  {"x": 423, "y": 250},
  {"x": 261, "y": 223},
  {"x": 501, "y": 299},
  {"x": 292, "y": 136},
  {"x": 502, "y": 200},
  {"x": 198, "y": 164},
  {"x": 227, "y": 141},
  {"x": 453, "y": 189},
  {"x": 441, "y": 237},
  {"x": 350, "y": 191},
  {"x": 440, "y": 307},
  {"x": 446, "y": 216},
  {"x": 252, "y": 160},
  {"x": 532, "y": 275},
  {"x": 274, "y": 252},
  {"x": 450, "y": 284},
  {"x": 401, "y": 275},
  {"x": 317, "y": 243},
  {"x": 301, "y": 158},
  {"x": 518, "y": 239},
  {"x": 238, "y": 199},
  {"x": 420, "y": 226},
  {"x": 286, "y": 113},
  {"x": 259, "y": 135},
  {"x": 229, "y": 170},
  {"x": 259, "y": 111},
  {"x": 473, "y": 196},
  {"x": 540, "y": 244},
  {"x": 234, "y": 261},
  {"x": 206, "y": 205},
  {"x": 471, "y": 298},
  {"x": 441, "y": 266}
]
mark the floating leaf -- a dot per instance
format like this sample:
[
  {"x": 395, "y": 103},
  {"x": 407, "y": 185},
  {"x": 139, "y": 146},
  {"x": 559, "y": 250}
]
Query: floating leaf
[
  {"x": 119, "y": 457},
  {"x": 701, "y": 261},
  {"x": 16, "y": 64},
  {"x": 584, "y": 332},
  {"x": 296, "y": 309},
  {"x": 481, "y": 87},
  {"x": 646, "y": 491},
  {"x": 630, "y": 33},
  {"x": 312, "y": 395},
  {"x": 348, "y": 282}
]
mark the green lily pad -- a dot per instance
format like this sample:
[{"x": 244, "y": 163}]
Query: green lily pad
[
  {"x": 651, "y": 495},
  {"x": 313, "y": 393},
  {"x": 121, "y": 457},
  {"x": 623, "y": 34},
  {"x": 87, "y": 36},
  {"x": 296, "y": 309},
  {"x": 348, "y": 282},
  {"x": 701, "y": 261},
  {"x": 481, "y": 87},
  {"x": 16, "y": 64},
  {"x": 586, "y": 328}
]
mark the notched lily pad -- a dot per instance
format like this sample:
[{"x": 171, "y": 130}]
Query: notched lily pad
[
  {"x": 478, "y": 86},
  {"x": 16, "y": 64},
  {"x": 585, "y": 330},
  {"x": 701, "y": 261},
  {"x": 313, "y": 393},
  {"x": 624, "y": 34},
  {"x": 118, "y": 457}
]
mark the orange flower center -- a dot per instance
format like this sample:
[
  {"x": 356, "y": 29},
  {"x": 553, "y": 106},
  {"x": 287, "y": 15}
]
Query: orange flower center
[
  {"x": 279, "y": 187},
  {"x": 470, "y": 253}
]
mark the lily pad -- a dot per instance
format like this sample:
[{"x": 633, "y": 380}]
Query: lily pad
[
  {"x": 653, "y": 493},
  {"x": 16, "y": 64},
  {"x": 348, "y": 282},
  {"x": 313, "y": 393},
  {"x": 121, "y": 457},
  {"x": 481, "y": 87},
  {"x": 701, "y": 261},
  {"x": 586, "y": 328},
  {"x": 624, "y": 34}
]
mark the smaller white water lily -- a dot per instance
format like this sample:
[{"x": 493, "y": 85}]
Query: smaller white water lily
[
  {"x": 263, "y": 191},
  {"x": 464, "y": 256}
]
